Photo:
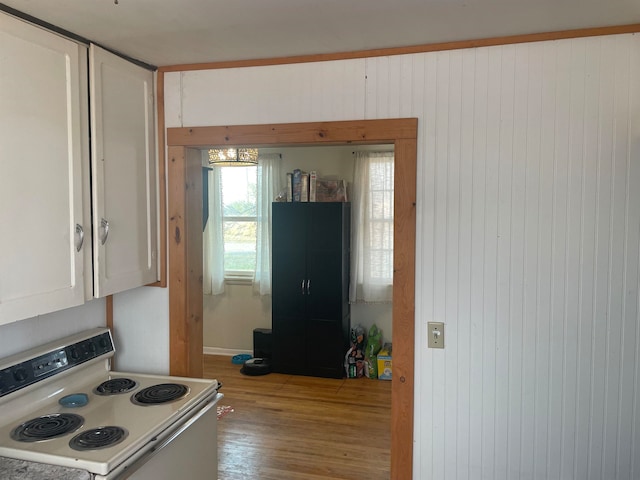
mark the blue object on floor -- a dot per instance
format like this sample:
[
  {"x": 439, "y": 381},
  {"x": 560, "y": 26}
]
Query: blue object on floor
[{"x": 240, "y": 359}]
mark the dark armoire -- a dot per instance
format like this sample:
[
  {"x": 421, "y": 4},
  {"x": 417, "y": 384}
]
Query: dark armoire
[{"x": 310, "y": 287}]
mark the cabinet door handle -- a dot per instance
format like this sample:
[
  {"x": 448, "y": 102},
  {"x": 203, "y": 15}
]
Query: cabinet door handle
[
  {"x": 308, "y": 287},
  {"x": 302, "y": 286},
  {"x": 105, "y": 231},
  {"x": 79, "y": 237}
]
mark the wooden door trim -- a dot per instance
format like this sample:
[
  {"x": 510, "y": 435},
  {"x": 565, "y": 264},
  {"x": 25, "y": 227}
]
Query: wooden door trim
[
  {"x": 185, "y": 288},
  {"x": 184, "y": 197}
]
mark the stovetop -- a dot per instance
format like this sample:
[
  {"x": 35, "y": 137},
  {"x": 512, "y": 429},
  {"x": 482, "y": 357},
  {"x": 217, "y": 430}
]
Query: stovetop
[{"x": 127, "y": 415}]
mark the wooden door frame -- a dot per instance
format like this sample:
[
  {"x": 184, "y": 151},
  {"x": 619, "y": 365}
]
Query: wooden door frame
[{"x": 184, "y": 188}]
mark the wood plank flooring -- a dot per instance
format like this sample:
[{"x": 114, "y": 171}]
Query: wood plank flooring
[{"x": 301, "y": 428}]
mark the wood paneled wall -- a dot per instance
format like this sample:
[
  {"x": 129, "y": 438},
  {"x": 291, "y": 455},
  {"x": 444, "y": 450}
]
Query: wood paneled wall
[
  {"x": 528, "y": 233},
  {"x": 529, "y": 205}
]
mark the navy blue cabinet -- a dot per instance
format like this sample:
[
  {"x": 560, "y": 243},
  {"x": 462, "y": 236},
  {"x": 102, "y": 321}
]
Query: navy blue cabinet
[{"x": 310, "y": 287}]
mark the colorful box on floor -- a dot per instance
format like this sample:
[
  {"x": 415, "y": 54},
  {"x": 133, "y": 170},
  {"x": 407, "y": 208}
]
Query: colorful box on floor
[{"x": 384, "y": 363}]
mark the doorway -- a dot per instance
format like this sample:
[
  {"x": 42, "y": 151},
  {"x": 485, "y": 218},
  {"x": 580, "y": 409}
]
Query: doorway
[
  {"x": 184, "y": 187},
  {"x": 235, "y": 310}
]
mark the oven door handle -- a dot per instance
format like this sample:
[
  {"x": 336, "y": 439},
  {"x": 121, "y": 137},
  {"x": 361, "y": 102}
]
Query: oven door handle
[{"x": 142, "y": 460}]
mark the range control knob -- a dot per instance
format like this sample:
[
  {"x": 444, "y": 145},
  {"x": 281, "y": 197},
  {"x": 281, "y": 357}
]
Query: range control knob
[
  {"x": 20, "y": 374},
  {"x": 103, "y": 342},
  {"x": 74, "y": 353},
  {"x": 92, "y": 347}
]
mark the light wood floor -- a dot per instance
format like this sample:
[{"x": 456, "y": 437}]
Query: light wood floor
[{"x": 294, "y": 427}]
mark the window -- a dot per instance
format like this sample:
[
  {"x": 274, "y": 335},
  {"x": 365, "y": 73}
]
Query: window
[
  {"x": 380, "y": 220},
  {"x": 237, "y": 232},
  {"x": 372, "y": 237},
  {"x": 239, "y": 227}
]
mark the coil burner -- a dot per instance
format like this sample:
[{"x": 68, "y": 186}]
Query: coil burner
[
  {"x": 47, "y": 427},
  {"x": 116, "y": 386},
  {"x": 96, "y": 438},
  {"x": 159, "y": 394}
]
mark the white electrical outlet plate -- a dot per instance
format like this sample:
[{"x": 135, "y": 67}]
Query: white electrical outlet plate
[{"x": 435, "y": 335}]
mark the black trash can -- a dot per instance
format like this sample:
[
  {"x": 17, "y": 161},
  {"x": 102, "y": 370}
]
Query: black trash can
[{"x": 262, "y": 343}]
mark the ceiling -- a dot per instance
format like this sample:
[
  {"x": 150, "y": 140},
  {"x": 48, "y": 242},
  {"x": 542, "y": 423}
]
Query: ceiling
[{"x": 173, "y": 32}]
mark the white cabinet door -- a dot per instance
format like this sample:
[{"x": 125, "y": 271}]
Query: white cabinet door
[
  {"x": 123, "y": 174},
  {"x": 41, "y": 259}
]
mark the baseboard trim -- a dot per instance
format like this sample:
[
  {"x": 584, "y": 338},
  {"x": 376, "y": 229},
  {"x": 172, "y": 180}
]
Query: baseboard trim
[{"x": 229, "y": 352}]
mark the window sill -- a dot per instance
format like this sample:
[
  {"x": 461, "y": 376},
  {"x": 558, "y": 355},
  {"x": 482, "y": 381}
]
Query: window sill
[{"x": 238, "y": 280}]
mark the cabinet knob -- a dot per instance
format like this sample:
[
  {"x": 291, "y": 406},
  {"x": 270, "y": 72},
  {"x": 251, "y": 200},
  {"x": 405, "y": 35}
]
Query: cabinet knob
[
  {"x": 308, "y": 287},
  {"x": 79, "y": 237},
  {"x": 302, "y": 286},
  {"x": 104, "y": 225}
]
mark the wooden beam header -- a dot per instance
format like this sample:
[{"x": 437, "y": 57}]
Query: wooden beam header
[{"x": 367, "y": 131}]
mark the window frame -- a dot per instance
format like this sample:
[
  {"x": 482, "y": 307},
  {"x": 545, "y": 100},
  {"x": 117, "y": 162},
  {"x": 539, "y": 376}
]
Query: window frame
[
  {"x": 366, "y": 287},
  {"x": 384, "y": 219},
  {"x": 237, "y": 277}
]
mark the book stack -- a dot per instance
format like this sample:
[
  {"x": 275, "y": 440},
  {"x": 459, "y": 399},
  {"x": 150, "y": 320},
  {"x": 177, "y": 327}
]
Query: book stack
[{"x": 307, "y": 187}]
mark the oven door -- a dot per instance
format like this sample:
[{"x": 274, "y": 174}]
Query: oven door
[{"x": 189, "y": 448}]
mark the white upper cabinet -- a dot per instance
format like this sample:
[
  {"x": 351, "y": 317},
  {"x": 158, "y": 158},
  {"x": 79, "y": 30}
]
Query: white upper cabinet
[
  {"x": 51, "y": 257},
  {"x": 41, "y": 178},
  {"x": 123, "y": 173}
]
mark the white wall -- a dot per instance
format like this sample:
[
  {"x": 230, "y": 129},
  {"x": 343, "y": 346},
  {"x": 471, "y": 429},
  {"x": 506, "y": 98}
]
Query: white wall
[
  {"x": 230, "y": 318},
  {"x": 528, "y": 239},
  {"x": 141, "y": 330},
  {"x": 529, "y": 218},
  {"x": 32, "y": 332},
  {"x": 282, "y": 93},
  {"x": 327, "y": 161}
]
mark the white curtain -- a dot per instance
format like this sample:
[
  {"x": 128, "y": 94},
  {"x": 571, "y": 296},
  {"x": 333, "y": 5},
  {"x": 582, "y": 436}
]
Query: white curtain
[
  {"x": 268, "y": 189},
  {"x": 213, "y": 241},
  {"x": 372, "y": 228}
]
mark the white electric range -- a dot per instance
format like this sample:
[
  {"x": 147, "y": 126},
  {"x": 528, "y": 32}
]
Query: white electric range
[{"x": 60, "y": 404}]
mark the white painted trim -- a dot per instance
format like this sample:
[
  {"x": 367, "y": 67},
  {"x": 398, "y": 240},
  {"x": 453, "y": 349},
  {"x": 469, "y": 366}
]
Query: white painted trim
[{"x": 223, "y": 351}]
